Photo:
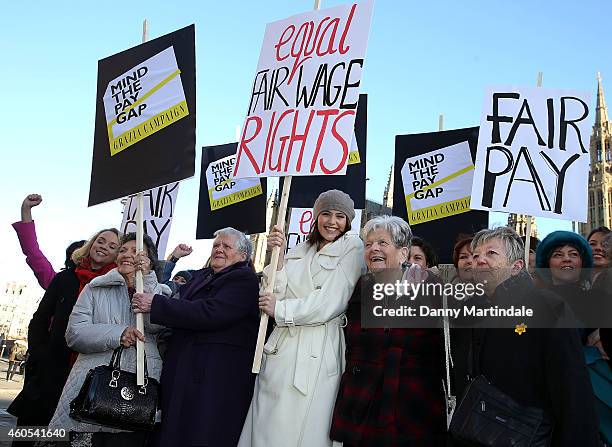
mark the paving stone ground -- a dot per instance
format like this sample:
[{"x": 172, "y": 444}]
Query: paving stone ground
[{"x": 8, "y": 391}]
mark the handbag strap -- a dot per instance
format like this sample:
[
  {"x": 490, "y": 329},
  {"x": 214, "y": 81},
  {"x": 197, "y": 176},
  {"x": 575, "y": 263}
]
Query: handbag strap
[
  {"x": 473, "y": 365},
  {"x": 451, "y": 400},
  {"x": 115, "y": 362}
]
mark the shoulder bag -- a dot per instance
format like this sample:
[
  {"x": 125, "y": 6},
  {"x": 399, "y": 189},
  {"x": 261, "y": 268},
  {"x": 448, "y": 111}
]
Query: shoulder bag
[
  {"x": 109, "y": 396},
  {"x": 487, "y": 416}
]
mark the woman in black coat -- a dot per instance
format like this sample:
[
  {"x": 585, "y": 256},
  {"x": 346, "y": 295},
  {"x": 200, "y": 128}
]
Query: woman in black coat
[
  {"x": 542, "y": 367},
  {"x": 37, "y": 401},
  {"x": 206, "y": 380}
]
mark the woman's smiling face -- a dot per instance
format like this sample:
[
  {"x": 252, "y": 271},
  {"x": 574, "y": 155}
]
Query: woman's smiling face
[{"x": 331, "y": 224}]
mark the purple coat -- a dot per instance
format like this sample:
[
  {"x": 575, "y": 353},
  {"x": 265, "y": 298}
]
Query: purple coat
[{"x": 206, "y": 380}]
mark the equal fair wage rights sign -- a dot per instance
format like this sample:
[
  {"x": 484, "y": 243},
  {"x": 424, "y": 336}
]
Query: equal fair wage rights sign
[
  {"x": 304, "y": 97},
  {"x": 533, "y": 155}
]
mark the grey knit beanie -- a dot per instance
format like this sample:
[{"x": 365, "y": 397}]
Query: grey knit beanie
[{"x": 334, "y": 200}]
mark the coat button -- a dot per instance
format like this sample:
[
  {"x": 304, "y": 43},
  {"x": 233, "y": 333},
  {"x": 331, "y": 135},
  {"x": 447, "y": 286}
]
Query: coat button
[{"x": 356, "y": 370}]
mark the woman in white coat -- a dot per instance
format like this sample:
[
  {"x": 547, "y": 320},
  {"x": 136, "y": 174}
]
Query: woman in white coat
[
  {"x": 100, "y": 321},
  {"x": 303, "y": 358}
]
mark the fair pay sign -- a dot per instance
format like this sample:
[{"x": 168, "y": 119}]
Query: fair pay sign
[{"x": 532, "y": 153}]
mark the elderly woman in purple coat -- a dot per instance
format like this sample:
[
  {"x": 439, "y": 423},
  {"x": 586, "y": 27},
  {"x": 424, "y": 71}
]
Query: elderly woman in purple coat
[{"x": 206, "y": 379}]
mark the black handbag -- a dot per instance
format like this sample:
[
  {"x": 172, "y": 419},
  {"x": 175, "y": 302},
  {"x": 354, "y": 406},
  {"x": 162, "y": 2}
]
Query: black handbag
[
  {"x": 109, "y": 396},
  {"x": 487, "y": 416}
]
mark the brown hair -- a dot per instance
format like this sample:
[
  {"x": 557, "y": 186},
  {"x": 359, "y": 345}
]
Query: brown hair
[
  {"x": 315, "y": 238},
  {"x": 462, "y": 241}
]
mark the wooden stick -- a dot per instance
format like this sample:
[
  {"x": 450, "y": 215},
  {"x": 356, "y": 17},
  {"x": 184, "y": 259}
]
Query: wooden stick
[
  {"x": 140, "y": 351},
  {"x": 280, "y": 223},
  {"x": 528, "y": 226},
  {"x": 263, "y": 321}
]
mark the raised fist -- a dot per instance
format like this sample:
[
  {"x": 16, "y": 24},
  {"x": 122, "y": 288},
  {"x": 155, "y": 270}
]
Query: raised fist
[
  {"x": 182, "y": 250},
  {"x": 31, "y": 200}
]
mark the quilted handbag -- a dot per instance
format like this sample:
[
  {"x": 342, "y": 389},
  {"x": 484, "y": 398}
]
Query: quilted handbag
[
  {"x": 488, "y": 417},
  {"x": 109, "y": 396}
]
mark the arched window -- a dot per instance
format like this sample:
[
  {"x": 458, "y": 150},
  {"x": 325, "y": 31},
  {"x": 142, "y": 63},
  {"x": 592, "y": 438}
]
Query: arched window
[{"x": 598, "y": 151}]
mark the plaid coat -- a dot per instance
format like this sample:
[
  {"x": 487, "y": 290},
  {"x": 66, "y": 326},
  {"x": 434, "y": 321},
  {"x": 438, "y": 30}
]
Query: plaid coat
[{"x": 391, "y": 391}]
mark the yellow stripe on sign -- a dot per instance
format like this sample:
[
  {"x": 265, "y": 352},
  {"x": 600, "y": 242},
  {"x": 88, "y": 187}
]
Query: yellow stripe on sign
[
  {"x": 354, "y": 158},
  {"x": 443, "y": 180},
  {"x": 148, "y": 128},
  {"x": 145, "y": 96},
  {"x": 438, "y": 211},
  {"x": 236, "y": 197}
]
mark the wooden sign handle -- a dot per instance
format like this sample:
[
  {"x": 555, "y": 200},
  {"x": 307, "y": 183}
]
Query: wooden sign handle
[
  {"x": 528, "y": 226},
  {"x": 280, "y": 223},
  {"x": 140, "y": 350},
  {"x": 263, "y": 321}
]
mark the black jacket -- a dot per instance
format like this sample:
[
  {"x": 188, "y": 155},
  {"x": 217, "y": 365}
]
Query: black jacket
[
  {"x": 36, "y": 403},
  {"x": 543, "y": 368}
]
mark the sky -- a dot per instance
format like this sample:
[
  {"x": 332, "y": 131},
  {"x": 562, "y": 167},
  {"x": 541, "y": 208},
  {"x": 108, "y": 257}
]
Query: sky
[{"x": 424, "y": 59}]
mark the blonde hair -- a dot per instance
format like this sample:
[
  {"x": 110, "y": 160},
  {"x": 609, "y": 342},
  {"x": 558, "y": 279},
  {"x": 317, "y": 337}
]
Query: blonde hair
[{"x": 80, "y": 253}]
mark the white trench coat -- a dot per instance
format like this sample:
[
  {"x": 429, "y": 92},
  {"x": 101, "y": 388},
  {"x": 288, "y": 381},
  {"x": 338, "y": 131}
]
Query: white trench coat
[{"x": 303, "y": 359}]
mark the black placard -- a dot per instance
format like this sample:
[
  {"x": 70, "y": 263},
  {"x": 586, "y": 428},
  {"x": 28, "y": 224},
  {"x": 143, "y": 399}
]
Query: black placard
[
  {"x": 248, "y": 216},
  {"x": 167, "y": 153},
  {"x": 441, "y": 233}
]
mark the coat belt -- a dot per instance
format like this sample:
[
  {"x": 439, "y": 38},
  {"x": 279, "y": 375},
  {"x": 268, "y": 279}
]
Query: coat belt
[{"x": 305, "y": 352}]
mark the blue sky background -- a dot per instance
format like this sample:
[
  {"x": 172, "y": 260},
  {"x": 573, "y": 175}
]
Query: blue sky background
[{"x": 424, "y": 58}]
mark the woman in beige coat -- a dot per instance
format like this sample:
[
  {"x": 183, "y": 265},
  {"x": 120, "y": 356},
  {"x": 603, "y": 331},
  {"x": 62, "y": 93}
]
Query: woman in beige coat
[{"x": 304, "y": 356}]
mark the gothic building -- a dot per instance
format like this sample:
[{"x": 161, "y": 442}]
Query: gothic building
[
  {"x": 600, "y": 177},
  {"x": 518, "y": 222},
  {"x": 388, "y": 194}
]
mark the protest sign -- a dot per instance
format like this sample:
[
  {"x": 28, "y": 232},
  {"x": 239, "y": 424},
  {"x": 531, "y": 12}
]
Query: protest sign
[
  {"x": 302, "y": 108},
  {"x": 306, "y": 189},
  {"x": 223, "y": 189},
  {"x": 226, "y": 201},
  {"x": 533, "y": 153},
  {"x": 145, "y": 117},
  {"x": 438, "y": 184},
  {"x": 158, "y": 211},
  {"x": 302, "y": 220},
  {"x": 442, "y": 232}
]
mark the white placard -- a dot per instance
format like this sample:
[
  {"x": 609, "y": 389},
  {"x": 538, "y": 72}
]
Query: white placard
[
  {"x": 301, "y": 113},
  {"x": 144, "y": 100},
  {"x": 438, "y": 184},
  {"x": 301, "y": 221},
  {"x": 533, "y": 153},
  {"x": 158, "y": 211}
]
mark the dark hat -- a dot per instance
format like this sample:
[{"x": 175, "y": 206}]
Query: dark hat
[
  {"x": 558, "y": 239},
  {"x": 334, "y": 200},
  {"x": 185, "y": 274}
]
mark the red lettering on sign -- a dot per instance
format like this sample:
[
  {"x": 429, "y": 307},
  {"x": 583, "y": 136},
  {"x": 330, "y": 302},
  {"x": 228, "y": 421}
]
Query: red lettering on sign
[
  {"x": 307, "y": 41},
  {"x": 244, "y": 141},
  {"x": 343, "y": 143},
  {"x": 305, "y": 222}
]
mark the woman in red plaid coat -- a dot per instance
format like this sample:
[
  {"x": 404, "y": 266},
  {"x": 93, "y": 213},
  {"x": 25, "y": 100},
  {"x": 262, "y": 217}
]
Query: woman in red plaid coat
[{"x": 391, "y": 391}]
